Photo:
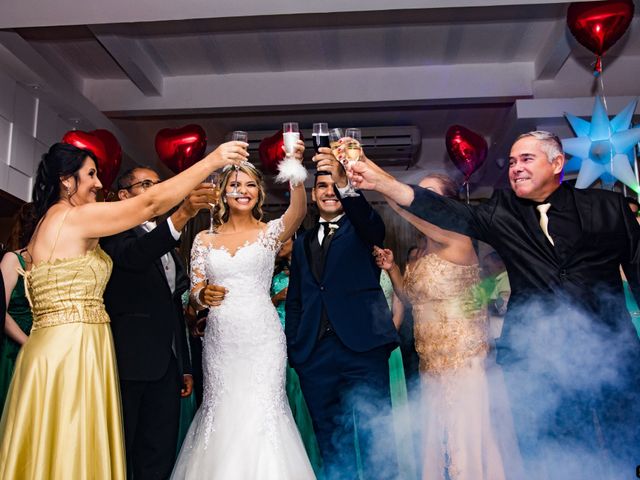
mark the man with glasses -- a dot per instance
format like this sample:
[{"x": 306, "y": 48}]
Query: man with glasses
[{"x": 143, "y": 299}]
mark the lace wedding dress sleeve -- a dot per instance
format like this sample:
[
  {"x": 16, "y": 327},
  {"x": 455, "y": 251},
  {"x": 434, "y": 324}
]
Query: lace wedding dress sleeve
[
  {"x": 271, "y": 237},
  {"x": 198, "y": 273}
]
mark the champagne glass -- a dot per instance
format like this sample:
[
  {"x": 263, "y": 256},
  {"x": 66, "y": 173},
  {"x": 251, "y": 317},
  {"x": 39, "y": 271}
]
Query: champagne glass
[
  {"x": 353, "y": 144},
  {"x": 353, "y": 151},
  {"x": 335, "y": 134},
  {"x": 239, "y": 136},
  {"x": 214, "y": 180},
  {"x": 320, "y": 135},
  {"x": 290, "y": 136}
]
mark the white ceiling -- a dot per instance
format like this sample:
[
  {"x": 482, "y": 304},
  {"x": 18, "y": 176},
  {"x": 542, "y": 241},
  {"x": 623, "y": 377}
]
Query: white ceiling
[{"x": 137, "y": 67}]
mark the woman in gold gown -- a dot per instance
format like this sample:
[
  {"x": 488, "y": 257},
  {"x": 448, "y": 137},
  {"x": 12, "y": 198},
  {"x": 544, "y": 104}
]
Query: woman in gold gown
[
  {"x": 466, "y": 430},
  {"x": 62, "y": 418}
]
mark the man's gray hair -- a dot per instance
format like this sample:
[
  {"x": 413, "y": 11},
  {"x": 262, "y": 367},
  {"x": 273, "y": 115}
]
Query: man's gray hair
[{"x": 551, "y": 144}]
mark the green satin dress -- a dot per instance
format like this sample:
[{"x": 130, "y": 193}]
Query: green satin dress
[
  {"x": 632, "y": 306},
  {"x": 402, "y": 420},
  {"x": 294, "y": 393},
  {"x": 21, "y": 312},
  {"x": 188, "y": 405}
]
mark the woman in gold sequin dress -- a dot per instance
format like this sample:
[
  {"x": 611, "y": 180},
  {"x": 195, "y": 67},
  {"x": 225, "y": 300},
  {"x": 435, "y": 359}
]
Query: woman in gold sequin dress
[
  {"x": 467, "y": 431},
  {"x": 62, "y": 419}
]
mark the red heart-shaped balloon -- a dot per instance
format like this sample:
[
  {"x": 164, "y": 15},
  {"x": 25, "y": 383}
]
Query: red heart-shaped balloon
[
  {"x": 108, "y": 169},
  {"x": 598, "y": 25},
  {"x": 86, "y": 141},
  {"x": 104, "y": 146},
  {"x": 179, "y": 148},
  {"x": 271, "y": 152},
  {"x": 467, "y": 149}
]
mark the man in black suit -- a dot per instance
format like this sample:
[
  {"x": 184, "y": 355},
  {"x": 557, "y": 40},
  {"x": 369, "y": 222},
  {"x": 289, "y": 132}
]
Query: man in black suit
[
  {"x": 143, "y": 299},
  {"x": 339, "y": 329},
  {"x": 568, "y": 346}
]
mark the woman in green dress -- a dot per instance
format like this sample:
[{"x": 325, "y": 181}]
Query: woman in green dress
[
  {"x": 401, "y": 414},
  {"x": 632, "y": 305},
  {"x": 299, "y": 409},
  {"x": 188, "y": 405},
  {"x": 17, "y": 322}
]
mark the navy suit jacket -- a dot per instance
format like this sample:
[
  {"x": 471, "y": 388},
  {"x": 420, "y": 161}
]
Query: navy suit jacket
[
  {"x": 349, "y": 289},
  {"x": 145, "y": 316}
]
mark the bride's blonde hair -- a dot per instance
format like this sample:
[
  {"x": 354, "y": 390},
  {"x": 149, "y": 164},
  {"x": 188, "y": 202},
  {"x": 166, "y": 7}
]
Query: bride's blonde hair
[{"x": 228, "y": 175}]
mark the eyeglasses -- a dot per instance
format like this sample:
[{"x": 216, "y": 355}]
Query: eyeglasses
[{"x": 144, "y": 184}]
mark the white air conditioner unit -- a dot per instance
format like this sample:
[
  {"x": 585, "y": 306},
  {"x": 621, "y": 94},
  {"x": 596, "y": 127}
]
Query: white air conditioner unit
[
  {"x": 388, "y": 146},
  {"x": 392, "y": 145}
]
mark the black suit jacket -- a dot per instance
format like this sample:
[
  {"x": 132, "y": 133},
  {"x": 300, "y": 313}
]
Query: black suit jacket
[
  {"x": 587, "y": 279},
  {"x": 145, "y": 316},
  {"x": 348, "y": 287}
]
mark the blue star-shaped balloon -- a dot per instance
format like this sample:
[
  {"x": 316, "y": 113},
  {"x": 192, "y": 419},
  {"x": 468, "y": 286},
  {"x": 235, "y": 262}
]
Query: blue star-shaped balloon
[{"x": 603, "y": 148}]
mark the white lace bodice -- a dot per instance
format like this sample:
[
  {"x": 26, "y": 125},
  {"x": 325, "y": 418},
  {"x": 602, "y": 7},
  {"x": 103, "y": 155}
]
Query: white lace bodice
[
  {"x": 247, "y": 271},
  {"x": 244, "y": 345}
]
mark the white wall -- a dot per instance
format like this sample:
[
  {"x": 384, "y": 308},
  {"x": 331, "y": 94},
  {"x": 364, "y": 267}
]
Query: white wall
[{"x": 27, "y": 128}]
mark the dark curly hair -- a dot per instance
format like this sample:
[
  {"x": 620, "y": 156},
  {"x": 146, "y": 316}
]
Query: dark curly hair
[{"x": 62, "y": 160}]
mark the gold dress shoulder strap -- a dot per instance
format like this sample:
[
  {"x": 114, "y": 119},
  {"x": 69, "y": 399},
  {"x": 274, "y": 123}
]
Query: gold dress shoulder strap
[
  {"x": 25, "y": 275},
  {"x": 55, "y": 242}
]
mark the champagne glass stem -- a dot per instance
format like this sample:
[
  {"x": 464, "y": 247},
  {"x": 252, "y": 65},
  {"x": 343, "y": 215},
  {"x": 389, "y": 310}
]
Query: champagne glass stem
[
  {"x": 211, "y": 212},
  {"x": 234, "y": 192},
  {"x": 350, "y": 191},
  {"x": 213, "y": 180}
]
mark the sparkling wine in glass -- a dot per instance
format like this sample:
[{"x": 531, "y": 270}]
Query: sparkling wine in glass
[
  {"x": 320, "y": 135},
  {"x": 239, "y": 136},
  {"x": 353, "y": 151},
  {"x": 353, "y": 145},
  {"x": 290, "y": 135},
  {"x": 214, "y": 180}
]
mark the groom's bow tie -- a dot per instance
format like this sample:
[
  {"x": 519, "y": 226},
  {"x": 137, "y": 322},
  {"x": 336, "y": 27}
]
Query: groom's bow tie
[{"x": 329, "y": 227}]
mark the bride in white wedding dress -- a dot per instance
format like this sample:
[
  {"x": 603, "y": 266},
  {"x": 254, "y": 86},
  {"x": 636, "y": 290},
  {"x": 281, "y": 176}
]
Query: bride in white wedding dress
[{"x": 244, "y": 428}]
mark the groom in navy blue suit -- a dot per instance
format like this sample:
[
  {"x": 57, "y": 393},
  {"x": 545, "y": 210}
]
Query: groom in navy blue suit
[{"x": 340, "y": 332}]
